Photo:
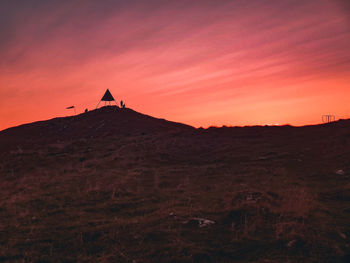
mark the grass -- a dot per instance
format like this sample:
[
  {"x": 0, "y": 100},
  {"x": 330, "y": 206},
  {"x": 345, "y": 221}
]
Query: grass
[{"x": 274, "y": 198}]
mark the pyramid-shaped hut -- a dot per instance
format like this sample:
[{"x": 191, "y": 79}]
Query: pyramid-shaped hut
[{"x": 107, "y": 97}]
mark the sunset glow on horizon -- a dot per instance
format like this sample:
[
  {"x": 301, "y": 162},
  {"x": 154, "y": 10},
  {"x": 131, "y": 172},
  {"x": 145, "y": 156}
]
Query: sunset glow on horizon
[{"x": 201, "y": 63}]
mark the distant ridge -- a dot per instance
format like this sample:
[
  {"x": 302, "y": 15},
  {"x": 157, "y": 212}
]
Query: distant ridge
[{"x": 111, "y": 121}]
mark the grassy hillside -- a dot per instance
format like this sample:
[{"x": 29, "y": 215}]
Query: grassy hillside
[{"x": 113, "y": 185}]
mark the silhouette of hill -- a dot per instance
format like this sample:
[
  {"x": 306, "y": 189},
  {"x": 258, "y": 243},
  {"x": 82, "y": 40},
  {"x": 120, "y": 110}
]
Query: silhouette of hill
[
  {"x": 105, "y": 121},
  {"x": 114, "y": 185}
]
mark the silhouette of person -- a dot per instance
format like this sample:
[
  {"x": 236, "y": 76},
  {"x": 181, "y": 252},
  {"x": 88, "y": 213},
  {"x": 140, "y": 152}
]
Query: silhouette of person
[
  {"x": 86, "y": 110},
  {"x": 122, "y": 104}
]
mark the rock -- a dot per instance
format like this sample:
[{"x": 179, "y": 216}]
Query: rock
[
  {"x": 340, "y": 172},
  {"x": 342, "y": 235},
  {"x": 291, "y": 243},
  {"x": 247, "y": 197},
  {"x": 200, "y": 222},
  {"x": 205, "y": 222},
  {"x": 296, "y": 243}
]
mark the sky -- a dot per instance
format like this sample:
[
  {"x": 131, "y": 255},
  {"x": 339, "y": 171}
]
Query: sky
[{"x": 203, "y": 63}]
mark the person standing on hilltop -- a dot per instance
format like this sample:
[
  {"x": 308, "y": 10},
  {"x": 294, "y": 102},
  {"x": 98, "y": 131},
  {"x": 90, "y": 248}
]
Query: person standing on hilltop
[{"x": 122, "y": 104}]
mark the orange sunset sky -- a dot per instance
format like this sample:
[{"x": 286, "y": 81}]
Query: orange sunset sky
[{"x": 198, "y": 62}]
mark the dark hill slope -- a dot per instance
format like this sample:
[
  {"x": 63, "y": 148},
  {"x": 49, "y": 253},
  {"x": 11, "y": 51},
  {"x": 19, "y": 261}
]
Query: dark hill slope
[
  {"x": 114, "y": 185},
  {"x": 104, "y": 122}
]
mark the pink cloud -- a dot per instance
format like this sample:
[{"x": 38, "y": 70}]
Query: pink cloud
[{"x": 199, "y": 63}]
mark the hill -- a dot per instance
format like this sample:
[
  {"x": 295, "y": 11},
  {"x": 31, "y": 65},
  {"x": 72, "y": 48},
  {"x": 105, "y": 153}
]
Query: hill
[
  {"x": 105, "y": 121},
  {"x": 114, "y": 185}
]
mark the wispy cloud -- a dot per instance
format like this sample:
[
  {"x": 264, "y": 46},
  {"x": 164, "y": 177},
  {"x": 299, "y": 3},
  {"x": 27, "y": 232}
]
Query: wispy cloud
[{"x": 164, "y": 56}]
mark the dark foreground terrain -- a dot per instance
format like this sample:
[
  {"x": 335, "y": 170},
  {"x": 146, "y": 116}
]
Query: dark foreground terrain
[{"x": 113, "y": 185}]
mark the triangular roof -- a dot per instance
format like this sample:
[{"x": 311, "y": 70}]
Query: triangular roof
[{"x": 108, "y": 96}]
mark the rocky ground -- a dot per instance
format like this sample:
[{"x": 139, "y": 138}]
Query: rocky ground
[{"x": 113, "y": 185}]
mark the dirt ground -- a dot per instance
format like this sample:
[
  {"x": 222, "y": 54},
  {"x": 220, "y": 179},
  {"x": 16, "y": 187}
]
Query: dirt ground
[{"x": 113, "y": 185}]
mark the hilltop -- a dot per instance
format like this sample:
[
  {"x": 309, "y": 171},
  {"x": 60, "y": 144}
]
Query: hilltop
[
  {"x": 114, "y": 185},
  {"x": 105, "y": 121}
]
